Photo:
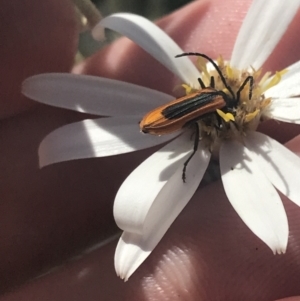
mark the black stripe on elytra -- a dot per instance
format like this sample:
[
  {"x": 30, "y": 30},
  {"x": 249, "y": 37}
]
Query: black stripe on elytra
[{"x": 184, "y": 107}]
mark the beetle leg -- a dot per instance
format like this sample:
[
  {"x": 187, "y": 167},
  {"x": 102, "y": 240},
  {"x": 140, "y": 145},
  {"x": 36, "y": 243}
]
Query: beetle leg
[
  {"x": 212, "y": 82},
  {"x": 238, "y": 93},
  {"x": 219, "y": 124},
  {"x": 196, "y": 144},
  {"x": 202, "y": 85}
]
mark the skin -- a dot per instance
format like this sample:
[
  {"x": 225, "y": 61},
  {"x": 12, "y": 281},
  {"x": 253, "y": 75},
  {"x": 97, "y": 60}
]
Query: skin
[{"x": 48, "y": 216}]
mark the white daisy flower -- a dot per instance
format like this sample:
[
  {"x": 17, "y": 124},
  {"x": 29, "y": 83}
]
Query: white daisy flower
[{"x": 253, "y": 165}]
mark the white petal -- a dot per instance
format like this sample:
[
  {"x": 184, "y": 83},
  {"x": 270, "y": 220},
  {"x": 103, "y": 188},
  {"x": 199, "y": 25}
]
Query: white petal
[
  {"x": 152, "y": 197},
  {"x": 96, "y": 138},
  {"x": 289, "y": 85},
  {"x": 253, "y": 196},
  {"x": 263, "y": 27},
  {"x": 279, "y": 164},
  {"x": 153, "y": 40},
  {"x": 287, "y": 110},
  {"x": 155, "y": 171},
  {"x": 91, "y": 94}
]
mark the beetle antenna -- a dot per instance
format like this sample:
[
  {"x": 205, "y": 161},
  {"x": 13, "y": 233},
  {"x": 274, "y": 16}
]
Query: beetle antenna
[{"x": 214, "y": 64}]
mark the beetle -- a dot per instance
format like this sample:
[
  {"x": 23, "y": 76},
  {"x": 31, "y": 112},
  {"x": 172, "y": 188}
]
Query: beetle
[
  {"x": 189, "y": 109},
  {"x": 178, "y": 113}
]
